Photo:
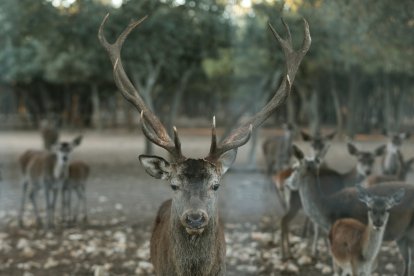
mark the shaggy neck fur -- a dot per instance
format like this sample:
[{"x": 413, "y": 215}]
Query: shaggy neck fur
[{"x": 194, "y": 255}]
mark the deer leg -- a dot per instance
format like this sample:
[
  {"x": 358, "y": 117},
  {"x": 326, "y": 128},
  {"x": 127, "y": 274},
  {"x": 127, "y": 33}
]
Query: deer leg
[
  {"x": 285, "y": 221},
  {"x": 63, "y": 211},
  {"x": 53, "y": 205},
  {"x": 23, "y": 202},
  {"x": 32, "y": 196},
  {"x": 85, "y": 215},
  {"x": 405, "y": 253},
  {"x": 315, "y": 239}
]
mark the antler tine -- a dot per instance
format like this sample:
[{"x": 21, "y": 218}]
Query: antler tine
[
  {"x": 241, "y": 135},
  {"x": 156, "y": 131},
  {"x": 213, "y": 146},
  {"x": 173, "y": 149}
]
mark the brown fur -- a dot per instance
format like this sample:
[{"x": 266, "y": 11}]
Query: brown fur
[
  {"x": 78, "y": 172},
  {"x": 167, "y": 244},
  {"x": 344, "y": 237}
]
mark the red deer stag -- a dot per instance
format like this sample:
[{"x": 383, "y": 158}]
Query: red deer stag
[
  {"x": 188, "y": 238},
  {"x": 325, "y": 209}
]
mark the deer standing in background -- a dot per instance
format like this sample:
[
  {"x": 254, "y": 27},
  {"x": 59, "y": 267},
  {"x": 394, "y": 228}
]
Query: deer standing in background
[
  {"x": 49, "y": 132},
  {"x": 393, "y": 161},
  {"x": 354, "y": 245},
  {"x": 45, "y": 170},
  {"x": 188, "y": 237},
  {"x": 318, "y": 142},
  {"x": 331, "y": 182},
  {"x": 405, "y": 168},
  {"x": 326, "y": 209},
  {"x": 78, "y": 173},
  {"x": 277, "y": 150}
]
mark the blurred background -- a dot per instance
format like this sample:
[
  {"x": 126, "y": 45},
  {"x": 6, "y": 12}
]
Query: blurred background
[
  {"x": 190, "y": 60},
  {"x": 193, "y": 59}
]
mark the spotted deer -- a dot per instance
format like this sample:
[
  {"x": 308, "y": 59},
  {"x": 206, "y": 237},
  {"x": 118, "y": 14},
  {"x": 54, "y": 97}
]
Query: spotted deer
[
  {"x": 277, "y": 150},
  {"x": 188, "y": 236},
  {"x": 47, "y": 170},
  {"x": 325, "y": 209},
  {"x": 354, "y": 246},
  {"x": 331, "y": 182},
  {"x": 393, "y": 161},
  {"x": 78, "y": 173}
]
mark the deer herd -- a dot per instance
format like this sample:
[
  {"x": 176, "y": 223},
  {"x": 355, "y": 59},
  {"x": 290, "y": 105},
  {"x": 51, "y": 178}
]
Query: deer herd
[{"x": 356, "y": 210}]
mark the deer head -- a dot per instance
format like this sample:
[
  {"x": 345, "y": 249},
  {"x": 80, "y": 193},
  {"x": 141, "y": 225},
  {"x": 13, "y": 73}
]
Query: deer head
[
  {"x": 195, "y": 182},
  {"x": 62, "y": 150},
  {"x": 318, "y": 142},
  {"x": 365, "y": 159},
  {"x": 379, "y": 206}
]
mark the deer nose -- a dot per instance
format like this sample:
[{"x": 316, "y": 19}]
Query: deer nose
[
  {"x": 65, "y": 158},
  {"x": 368, "y": 172},
  {"x": 195, "y": 219}
]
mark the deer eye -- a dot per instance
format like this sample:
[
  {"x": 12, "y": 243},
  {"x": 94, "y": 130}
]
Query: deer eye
[
  {"x": 174, "y": 187},
  {"x": 215, "y": 187}
]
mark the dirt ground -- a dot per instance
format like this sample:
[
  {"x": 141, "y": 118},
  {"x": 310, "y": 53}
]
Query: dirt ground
[{"x": 123, "y": 200}]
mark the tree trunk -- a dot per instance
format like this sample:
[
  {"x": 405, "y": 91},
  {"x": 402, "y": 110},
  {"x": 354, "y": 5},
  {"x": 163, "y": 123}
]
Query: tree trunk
[
  {"x": 178, "y": 94},
  {"x": 337, "y": 105},
  {"x": 96, "y": 103}
]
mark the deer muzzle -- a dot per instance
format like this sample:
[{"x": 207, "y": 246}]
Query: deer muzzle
[{"x": 194, "y": 221}]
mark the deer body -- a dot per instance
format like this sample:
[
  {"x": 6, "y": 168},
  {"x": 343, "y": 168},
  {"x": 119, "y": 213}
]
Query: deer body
[
  {"x": 78, "y": 173},
  {"x": 401, "y": 176},
  {"x": 393, "y": 161},
  {"x": 277, "y": 150},
  {"x": 354, "y": 245},
  {"x": 326, "y": 209}
]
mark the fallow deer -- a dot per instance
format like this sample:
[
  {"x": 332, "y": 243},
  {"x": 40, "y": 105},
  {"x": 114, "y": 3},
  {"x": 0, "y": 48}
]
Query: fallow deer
[
  {"x": 325, "y": 209},
  {"x": 393, "y": 160},
  {"x": 45, "y": 170},
  {"x": 354, "y": 246},
  {"x": 331, "y": 182},
  {"x": 277, "y": 150},
  {"x": 188, "y": 237},
  {"x": 78, "y": 173}
]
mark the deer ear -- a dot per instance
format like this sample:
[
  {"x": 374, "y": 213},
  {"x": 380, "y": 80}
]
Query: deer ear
[
  {"x": 297, "y": 152},
  {"x": 77, "y": 141},
  {"x": 352, "y": 149},
  {"x": 305, "y": 136},
  {"x": 155, "y": 166},
  {"x": 227, "y": 159},
  {"x": 396, "y": 198},
  {"x": 363, "y": 194},
  {"x": 380, "y": 150}
]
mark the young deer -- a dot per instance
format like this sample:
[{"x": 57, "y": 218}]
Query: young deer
[
  {"x": 331, "y": 182},
  {"x": 354, "y": 245},
  {"x": 45, "y": 170},
  {"x": 325, "y": 209},
  {"x": 393, "y": 161},
  {"x": 188, "y": 238},
  {"x": 78, "y": 173},
  {"x": 277, "y": 150}
]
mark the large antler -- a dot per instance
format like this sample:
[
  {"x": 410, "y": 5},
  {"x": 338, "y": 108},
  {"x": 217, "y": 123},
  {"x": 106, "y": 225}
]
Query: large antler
[
  {"x": 241, "y": 135},
  {"x": 155, "y": 130}
]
